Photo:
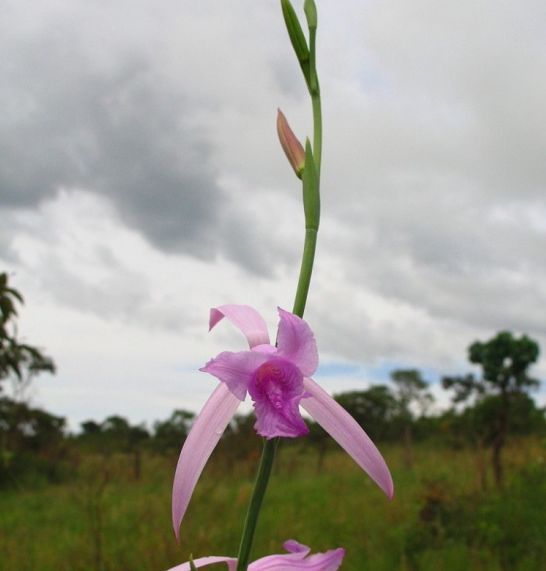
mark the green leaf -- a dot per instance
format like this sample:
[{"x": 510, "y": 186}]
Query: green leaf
[
  {"x": 311, "y": 13},
  {"x": 15, "y": 294},
  {"x": 192, "y": 564},
  {"x": 295, "y": 32},
  {"x": 297, "y": 37},
  {"x": 7, "y": 308}
]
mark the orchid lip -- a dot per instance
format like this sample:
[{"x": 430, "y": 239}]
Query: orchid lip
[{"x": 276, "y": 389}]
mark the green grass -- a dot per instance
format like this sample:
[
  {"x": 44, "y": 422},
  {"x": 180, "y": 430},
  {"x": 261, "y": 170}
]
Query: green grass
[{"x": 439, "y": 519}]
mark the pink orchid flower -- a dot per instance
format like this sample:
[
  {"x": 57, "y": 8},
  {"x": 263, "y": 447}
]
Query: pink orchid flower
[
  {"x": 297, "y": 558},
  {"x": 278, "y": 379}
]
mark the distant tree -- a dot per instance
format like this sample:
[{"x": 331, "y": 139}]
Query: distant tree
[
  {"x": 412, "y": 398},
  {"x": 239, "y": 445},
  {"x": 137, "y": 436},
  {"x": 318, "y": 438},
  {"x": 374, "y": 409},
  {"x": 525, "y": 417},
  {"x": 122, "y": 436},
  {"x": 19, "y": 361},
  {"x": 91, "y": 438},
  {"x": 90, "y": 427},
  {"x": 115, "y": 434},
  {"x": 170, "y": 434},
  {"x": 116, "y": 429},
  {"x": 31, "y": 440},
  {"x": 476, "y": 424},
  {"x": 505, "y": 361}
]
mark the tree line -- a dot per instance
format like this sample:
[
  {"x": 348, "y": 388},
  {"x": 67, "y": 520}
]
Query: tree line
[{"x": 486, "y": 410}]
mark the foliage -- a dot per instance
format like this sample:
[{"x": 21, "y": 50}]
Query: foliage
[
  {"x": 62, "y": 527},
  {"x": 375, "y": 409},
  {"x": 170, "y": 434},
  {"x": 505, "y": 361},
  {"x": 18, "y": 360},
  {"x": 120, "y": 435},
  {"x": 411, "y": 397},
  {"x": 30, "y": 438},
  {"x": 32, "y": 444},
  {"x": 510, "y": 524},
  {"x": 411, "y": 392}
]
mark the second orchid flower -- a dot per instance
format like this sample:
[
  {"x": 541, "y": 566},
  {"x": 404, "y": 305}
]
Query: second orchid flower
[{"x": 298, "y": 557}]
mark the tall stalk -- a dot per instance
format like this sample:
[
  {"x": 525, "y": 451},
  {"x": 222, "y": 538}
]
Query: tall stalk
[{"x": 311, "y": 203}]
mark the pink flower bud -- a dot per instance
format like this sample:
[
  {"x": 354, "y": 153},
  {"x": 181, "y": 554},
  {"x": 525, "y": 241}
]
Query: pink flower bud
[{"x": 291, "y": 146}]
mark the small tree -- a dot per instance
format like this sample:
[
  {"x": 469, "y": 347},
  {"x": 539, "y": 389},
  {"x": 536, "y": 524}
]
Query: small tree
[
  {"x": 374, "y": 409},
  {"x": 412, "y": 397},
  {"x": 505, "y": 361},
  {"x": 170, "y": 434},
  {"x": 19, "y": 361},
  {"x": 31, "y": 441},
  {"x": 122, "y": 436}
]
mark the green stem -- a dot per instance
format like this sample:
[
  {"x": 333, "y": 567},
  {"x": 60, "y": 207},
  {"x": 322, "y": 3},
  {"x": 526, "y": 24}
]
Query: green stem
[
  {"x": 317, "y": 133},
  {"x": 311, "y": 232},
  {"x": 260, "y": 486},
  {"x": 304, "y": 281},
  {"x": 306, "y": 270},
  {"x": 314, "y": 91}
]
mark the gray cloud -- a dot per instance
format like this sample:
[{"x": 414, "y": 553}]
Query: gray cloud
[
  {"x": 121, "y": 132},
  {"x": 438, "y": 140},
  {"x": 143, "y": 116}
]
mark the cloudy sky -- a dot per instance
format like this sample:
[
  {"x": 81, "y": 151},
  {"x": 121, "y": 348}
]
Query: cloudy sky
[{"x": 141, "y": 183}]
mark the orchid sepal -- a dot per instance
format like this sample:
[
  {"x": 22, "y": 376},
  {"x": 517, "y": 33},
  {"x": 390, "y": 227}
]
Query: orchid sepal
[
  {"x": 291, "y": 145},
  {"x": 203, "y": 437},
  {"x": 346, "y": 431}
]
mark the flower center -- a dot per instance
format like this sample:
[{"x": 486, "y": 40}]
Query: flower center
[{"x": 278, "y": 381}]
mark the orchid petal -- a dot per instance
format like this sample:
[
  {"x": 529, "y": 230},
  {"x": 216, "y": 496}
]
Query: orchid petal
[
  {"x": 348, "y": 433},
  {"x": 293, "y": 546},
  {"x": 296, "y": 342},
  {"x": 236, "y": 369},
  {"x": 329, "y": 561},
  {"x": 265, "y": 348},
  {"x": 245, "y": 318},
  {"x": 231, "y": 562},
  {"x": 201, "y": 441},
  {"x": 297, "y": 558}
]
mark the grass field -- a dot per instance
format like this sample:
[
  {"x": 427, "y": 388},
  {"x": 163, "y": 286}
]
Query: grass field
[{"x": 440, "y": 518}]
